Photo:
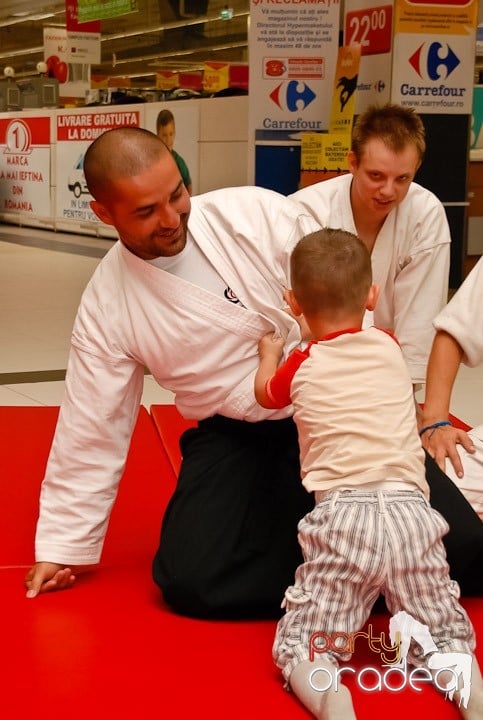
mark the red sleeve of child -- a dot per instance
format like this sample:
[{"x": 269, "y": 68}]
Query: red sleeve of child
[{"x": 278, "y": 387}]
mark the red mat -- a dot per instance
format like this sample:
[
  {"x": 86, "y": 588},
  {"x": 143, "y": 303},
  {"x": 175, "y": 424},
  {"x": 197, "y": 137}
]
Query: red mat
[
  {"x": 109, "y": 647},
  {"x": 428, "y": 703},
  {"x": 170, "y": 424},
  {"x": 26, "y": 434},
  {"x": 459, "y": 423}
]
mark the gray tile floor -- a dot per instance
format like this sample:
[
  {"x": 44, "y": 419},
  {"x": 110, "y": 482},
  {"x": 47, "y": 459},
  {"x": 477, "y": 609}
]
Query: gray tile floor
[{"x": 42, "y": 276}]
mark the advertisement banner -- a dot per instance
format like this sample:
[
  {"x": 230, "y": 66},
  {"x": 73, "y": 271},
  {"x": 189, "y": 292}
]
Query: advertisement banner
[
  {"x": 69, "y": 57},
  {"x": 167, "y": 80},
  {"x": 345, "y": 84},
  {"x": 293, "y": 54},
  {"x": 75, "y": 132},
  {"x": 216, "y": 76},
  {"x": 25, "y": 165},
  {"x": 72, "y": 46},
  {"x": 72, "y": 19},
  {"x": 371, "y": 28},
  {"x": 434, "y": 55},
  {"x": 452, "y": 17},
  {"x": 325, "y": 153},
  {"x": 103, "y": 9}
]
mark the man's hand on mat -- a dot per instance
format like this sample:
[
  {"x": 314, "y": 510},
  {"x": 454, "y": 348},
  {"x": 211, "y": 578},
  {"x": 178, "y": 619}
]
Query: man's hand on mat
[
  {"x": 441, "y": 444},
  {"x": 46, "y": 577}
]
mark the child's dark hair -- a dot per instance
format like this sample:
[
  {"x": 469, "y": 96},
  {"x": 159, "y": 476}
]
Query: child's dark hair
[{"x": 330, "y": 269}]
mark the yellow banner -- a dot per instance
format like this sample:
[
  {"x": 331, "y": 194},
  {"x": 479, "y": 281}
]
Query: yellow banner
[
  {"x": 167, "y": 80},
  {"x": 325, "y": 152},
  {"x": 435, "y": 17},
  {"x": 216, "y": 76},
  {"x": 345, "y": 84}
]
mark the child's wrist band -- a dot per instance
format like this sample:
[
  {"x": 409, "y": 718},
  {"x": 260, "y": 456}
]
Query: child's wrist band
[{"x": 434, "y": 426}]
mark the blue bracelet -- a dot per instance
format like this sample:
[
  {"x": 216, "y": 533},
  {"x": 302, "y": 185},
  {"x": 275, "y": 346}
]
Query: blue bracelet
[{"x": 435, "y": 425}]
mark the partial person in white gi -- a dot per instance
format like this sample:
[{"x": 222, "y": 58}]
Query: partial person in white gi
[
  {"x": 402, "y": 224},
  {"x": 459, "y": 339}
]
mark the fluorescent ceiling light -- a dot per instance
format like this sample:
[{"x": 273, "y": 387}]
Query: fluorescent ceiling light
[{"x": 29, "y": 18}]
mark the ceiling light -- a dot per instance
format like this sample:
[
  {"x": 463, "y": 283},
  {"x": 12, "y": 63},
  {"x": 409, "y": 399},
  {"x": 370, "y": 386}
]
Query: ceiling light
[{"x": 27, "y": 17}]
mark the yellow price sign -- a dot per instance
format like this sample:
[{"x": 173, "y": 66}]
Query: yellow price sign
[{"x": 325, "y": 151}]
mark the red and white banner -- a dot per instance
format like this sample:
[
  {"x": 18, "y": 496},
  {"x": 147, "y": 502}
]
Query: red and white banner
[
  {"x": 25, "y": 165},
  {"x": 371, "y": 28},
  {"x": 75, "y": 132}
]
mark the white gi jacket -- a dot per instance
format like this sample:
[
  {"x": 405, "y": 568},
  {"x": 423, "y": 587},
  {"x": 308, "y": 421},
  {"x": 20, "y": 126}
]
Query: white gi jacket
[
  {"x": 463, "y": 316},
  {"x": 202, "y": 347},
  {"x": 410, "y": 261},
  {"x": 463, "y": 319}
]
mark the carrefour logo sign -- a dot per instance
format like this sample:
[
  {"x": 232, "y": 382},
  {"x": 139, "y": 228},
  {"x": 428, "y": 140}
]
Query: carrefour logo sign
[
  {"x": 292, "y": 96},
  {"x": 435, "y": 61},
  {"x": 433, "y": 75}
]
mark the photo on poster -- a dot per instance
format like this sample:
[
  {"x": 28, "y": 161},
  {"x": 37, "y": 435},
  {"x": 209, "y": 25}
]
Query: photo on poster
[{"x": 179, "y": 125}]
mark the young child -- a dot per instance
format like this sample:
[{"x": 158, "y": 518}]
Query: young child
[
  {"x": 372, "y": 530},
  {"x": 166, "y": 131}
]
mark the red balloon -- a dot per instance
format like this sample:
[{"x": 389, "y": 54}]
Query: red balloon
[
  {"x": 60, "y": 72},
  {"x": 52, "y": 63}
]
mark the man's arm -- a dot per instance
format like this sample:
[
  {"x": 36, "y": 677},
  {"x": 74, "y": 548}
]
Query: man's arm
[
  {"x": 441, "y": 441},
  {"x": 85, "y": 464},
  {"x": 420, "y": 293},
  {"x": 270, "y": 350}
]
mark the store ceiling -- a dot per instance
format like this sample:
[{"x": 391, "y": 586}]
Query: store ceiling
[{"x": 174, "y": 35}]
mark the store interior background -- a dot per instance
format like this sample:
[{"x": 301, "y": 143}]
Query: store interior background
[
  {"x": 43, "y": 272},
  {"x": 161, "y": 35}
]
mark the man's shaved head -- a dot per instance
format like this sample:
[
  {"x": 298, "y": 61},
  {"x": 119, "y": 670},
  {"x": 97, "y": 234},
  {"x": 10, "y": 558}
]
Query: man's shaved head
[{"x": 123, "y": 152}]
